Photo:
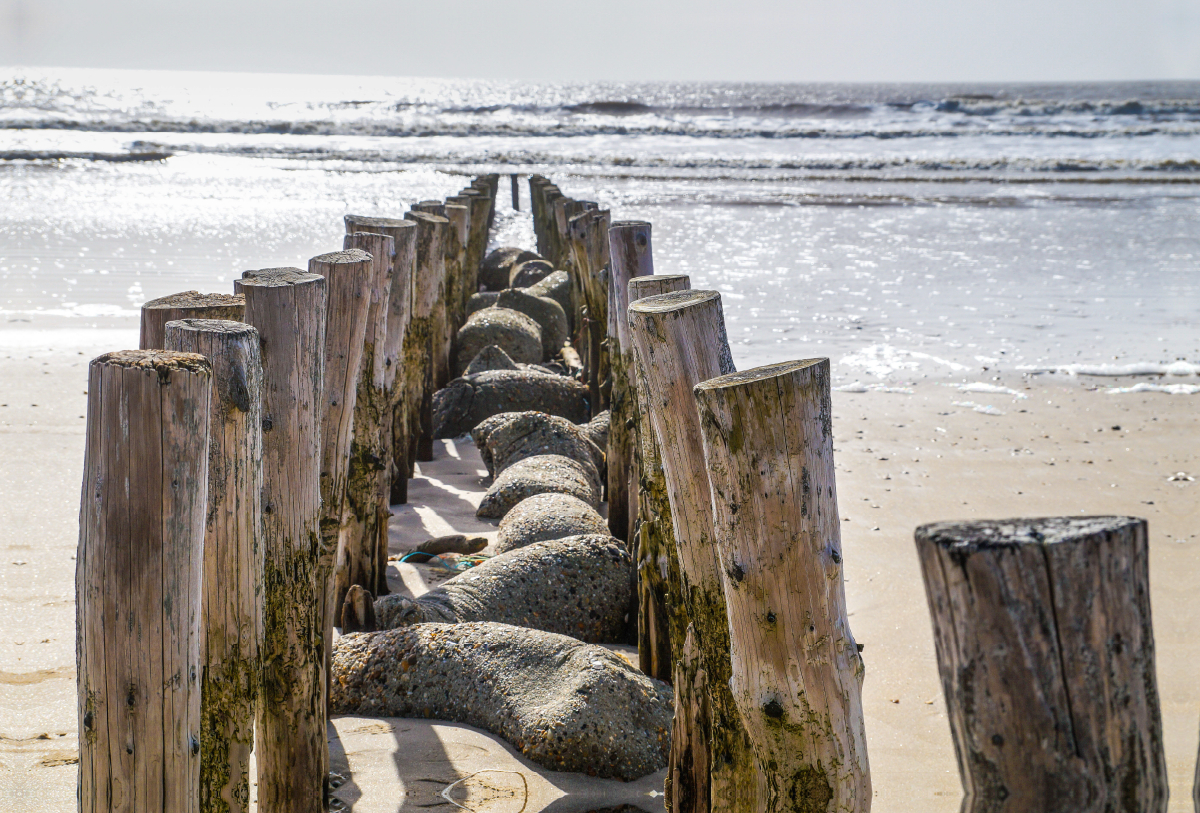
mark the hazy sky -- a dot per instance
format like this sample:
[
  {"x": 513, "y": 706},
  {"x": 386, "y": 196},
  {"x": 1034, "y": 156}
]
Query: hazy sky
[{"x": 800, "y": 40}]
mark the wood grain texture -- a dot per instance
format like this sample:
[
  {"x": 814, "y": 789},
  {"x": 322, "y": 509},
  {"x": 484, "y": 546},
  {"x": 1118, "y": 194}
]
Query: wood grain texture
[
  {"x": 1046, "y": 652},
  {"x": 186, "y": 305},
  {"x": 399, "y": 313},
  {"x": 365, "y": 516},
  {"x": 287, "y": 307},
  {"x": 477, "y": 244},
  {"x": 796, "y": 671},
  {"x": 232, "y": 591},
  {"x": 137, "y": 581},
  {"x": 458, "y": 235},
  {"x": 349, "y": 279},
  {"x": 661, "y": 629},
  {"x": 632, "y": 256},
  {"x": 680, "y": 340},
  {"x": 426, "y": 356}
]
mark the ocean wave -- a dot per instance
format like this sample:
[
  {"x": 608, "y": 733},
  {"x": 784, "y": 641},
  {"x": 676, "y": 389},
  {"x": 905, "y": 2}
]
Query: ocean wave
[
  {"x": 447, "y": 124},
  {"x": 633, "y": 163}
]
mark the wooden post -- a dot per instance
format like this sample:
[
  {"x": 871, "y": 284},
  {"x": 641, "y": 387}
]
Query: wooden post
[
  {"x": 365, "y": 519},
  {"x": 187, "y": 305},
  {"x": 680, "y": 341},
  {"x": 661, "y": 631},
  {"x": 631, "y": 257},
  {"x": 458, "y": 235},
  {"x": 427, "y": 355},
  {"x": 287, "y": 307},
  {"x": 348, "y": 282},
  {"x": 477, "y": 245},
  {"x": 137, "y": 581},
  {"x": 404, "y": 238},
  {"x": 797, "y": 675},
  {"x": 516, "y": 193},
  {"x": 1046, "y": 653},
  {"x": 231, "y": 594}
]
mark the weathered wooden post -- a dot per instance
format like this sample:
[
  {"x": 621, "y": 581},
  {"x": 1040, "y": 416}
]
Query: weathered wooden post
[
  {"x": 661, "y": 630},
  {"x": 477, "y": 246},
  {"x": 427, "y": 354},
  {"x": 680, "y": 341},
  {"x": 231, "y": 593},
  {"x": 348, "y": 283},
  {"x": 631, "y": 257},
  {"x": 1046, "y": 653},
  {"x": 287, "y": 307},
  {"x": 458, "y": 234},
  {"x": 365, "y": 520},
  {"x": 187, "y": 305},
  {"x": 137, "y": 581},
  {"x": 404, "y": 239},
  {"x": 516, "y": 193},
  {"x": 797, "y": 675}
]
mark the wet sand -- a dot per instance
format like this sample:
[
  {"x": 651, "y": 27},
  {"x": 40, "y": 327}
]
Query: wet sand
[{"x": 902, "y": 460}]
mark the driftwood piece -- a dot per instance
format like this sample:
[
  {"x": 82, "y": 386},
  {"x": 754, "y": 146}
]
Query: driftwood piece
[
  {"x": 661, "y": 631},
  {"x": 399, "y": 312},
  {"x": 564, "y": 704},
  {"x": 365, "y": 516},
  {"x": 680, "y": 341},
  {"x": 1046, "y": 652},
  {"x": 137, "y": 581},
  {"x": 571, "y": 586},
  {"x": 796, "y": 671},
  {"x": 187, "y": 305},
  {"x": 287, "y": 307},
  {"x": 231, "y": 599},
  {"x": 632, "y": 256}
]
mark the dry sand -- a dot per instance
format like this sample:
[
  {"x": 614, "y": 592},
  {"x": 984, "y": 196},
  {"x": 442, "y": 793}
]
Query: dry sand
[{"x": 902, "y": 460}]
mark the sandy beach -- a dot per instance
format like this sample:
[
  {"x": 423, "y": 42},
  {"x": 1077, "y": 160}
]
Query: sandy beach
[{"x": 1066, "y": 448}]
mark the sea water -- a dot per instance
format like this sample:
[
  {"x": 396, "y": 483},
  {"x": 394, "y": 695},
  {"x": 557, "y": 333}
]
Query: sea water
[{"x": 905, "y": 231}]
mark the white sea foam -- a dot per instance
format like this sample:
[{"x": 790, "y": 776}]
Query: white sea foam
[
  {"x": 1169, "y": 389},
  {"x": 980, "y": 386},
  {"x": 881, "y": 360},
  {"x": 1174, "y": 368},
  {"x": 858, "y": 386},
  {"x": 984, "y": 409}
]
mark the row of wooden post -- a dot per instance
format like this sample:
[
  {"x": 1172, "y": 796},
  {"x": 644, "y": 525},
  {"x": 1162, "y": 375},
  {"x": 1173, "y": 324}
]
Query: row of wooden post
[
  {"x": 238, "y": 473},
  {"x": 726, "y": 481},
  {"x": 723, "y": 484}
]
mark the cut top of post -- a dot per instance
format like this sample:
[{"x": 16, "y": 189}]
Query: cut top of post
[
  {"x": 194, "y": 299},
  {"x": 163, "y": 362},
  {"x": 768, "y": 371},
  {"x": 363, "y": 223},
  {"x": 275, "y": 277},
  {"x": 675, "y": 300},
  {"x": 350, "y": 256},
  {"x": 961, "y": 539},
  {"x": 214, "y": 326}
]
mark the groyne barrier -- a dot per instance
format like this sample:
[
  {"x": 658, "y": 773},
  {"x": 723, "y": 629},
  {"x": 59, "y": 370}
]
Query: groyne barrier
[{"x": 239, "y": 474}]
